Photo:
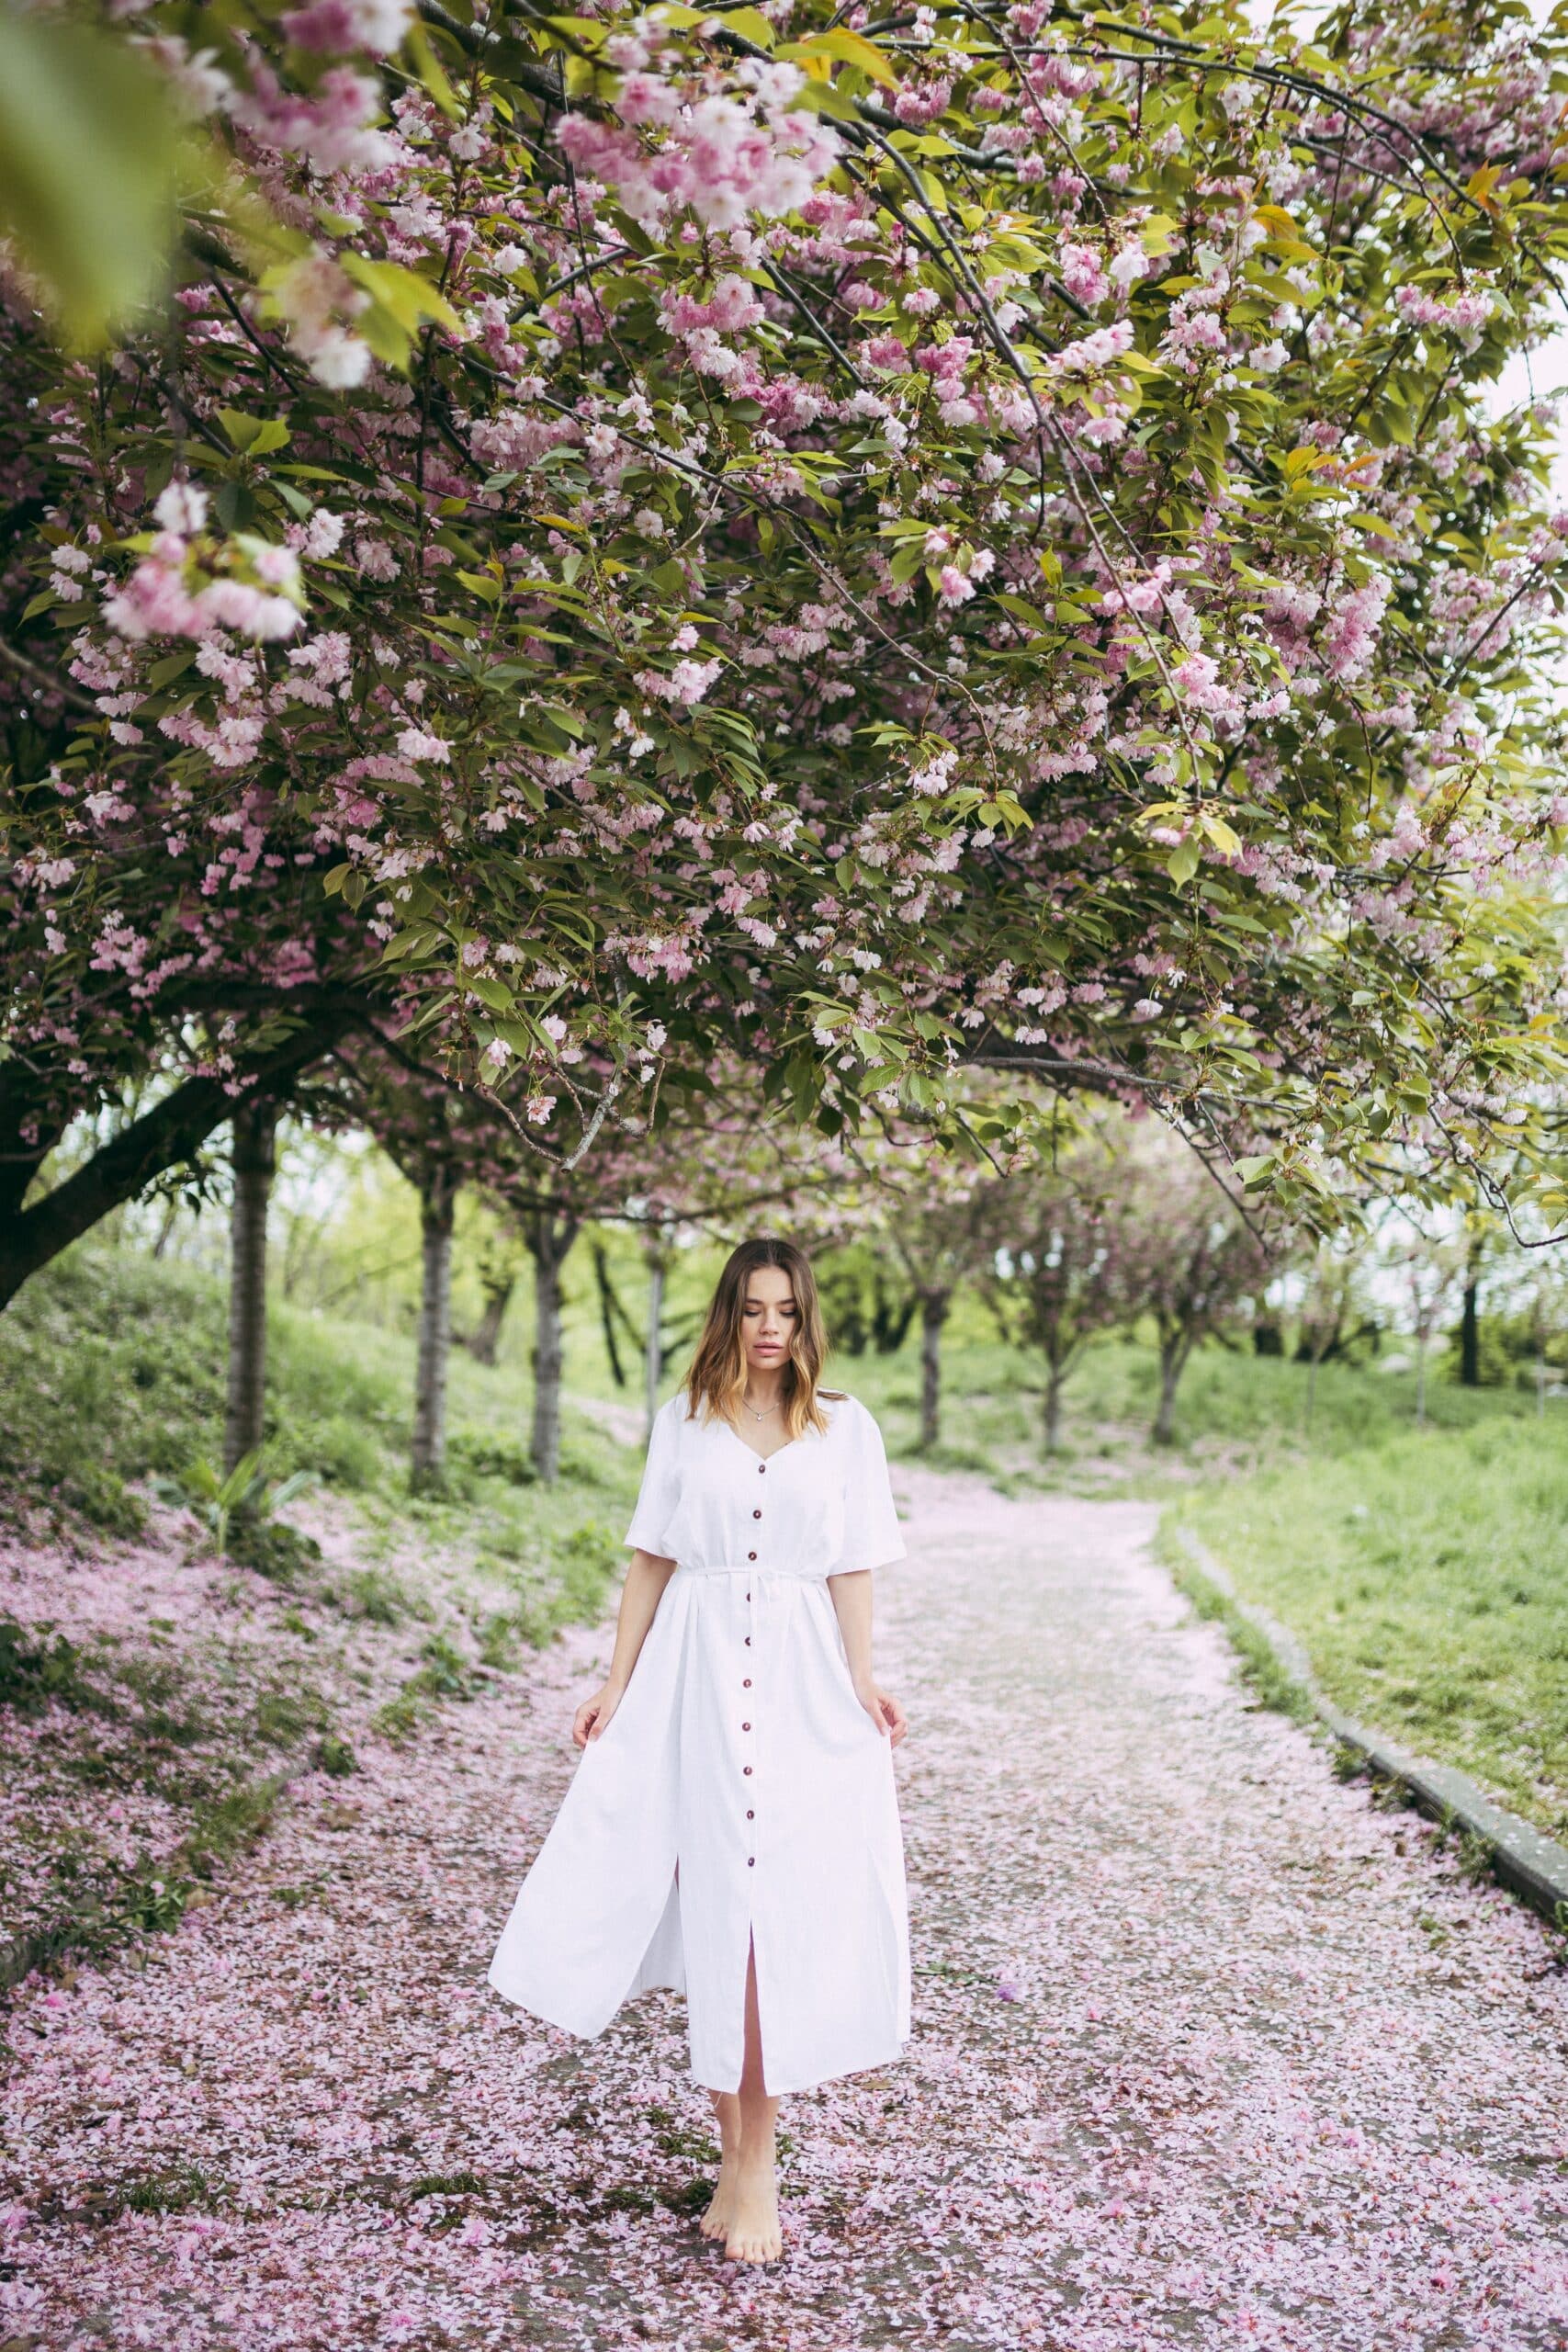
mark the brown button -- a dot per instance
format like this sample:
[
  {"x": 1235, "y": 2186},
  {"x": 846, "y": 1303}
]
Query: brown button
[
  {"x": 747, "y": 1684},
  {"x": 746, "y": 1768},
  {"x": 761, "y": 1469},
  {"x": 750, "y": 1555},
  {"x": 745, "y": 1726},
  {"x": 748, "y": 1641},
  {"x": 755, "y": 1514},
  {"x": 750, "y": 1861},
  {"x": 748, "y": 1596},
  {"x": 750, "y": 1814}
]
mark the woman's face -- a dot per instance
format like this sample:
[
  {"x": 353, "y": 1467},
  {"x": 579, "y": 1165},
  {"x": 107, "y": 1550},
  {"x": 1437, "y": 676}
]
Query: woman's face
[{"x": 768, "y": 1320}]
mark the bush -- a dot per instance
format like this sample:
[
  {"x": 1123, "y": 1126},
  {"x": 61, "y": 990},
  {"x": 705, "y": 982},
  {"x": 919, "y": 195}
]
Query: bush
[
  {"x": 271, "y": 1547},
  {"x": 112, "y": 1369},
  {"x": 38, "y": 1670},
  {"x": 483, "y": 1455}
]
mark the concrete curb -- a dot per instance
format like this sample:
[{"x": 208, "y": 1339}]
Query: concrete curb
[{"x": 1527, "y": 1862}]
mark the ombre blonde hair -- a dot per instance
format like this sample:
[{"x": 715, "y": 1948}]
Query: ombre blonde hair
[{"x": 716, "y": 1380}]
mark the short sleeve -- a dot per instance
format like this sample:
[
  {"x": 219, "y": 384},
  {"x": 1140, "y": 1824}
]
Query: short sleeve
[
  {"x": 872, "y": 1535},
  {"x": 660, "y": 1489}
]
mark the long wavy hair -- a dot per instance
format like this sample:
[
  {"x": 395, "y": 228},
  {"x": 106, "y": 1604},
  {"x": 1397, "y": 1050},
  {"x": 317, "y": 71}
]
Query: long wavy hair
[{"x": 716, "y": 1379}]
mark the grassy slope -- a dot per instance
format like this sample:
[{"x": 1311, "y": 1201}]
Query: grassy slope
[
  {"x": 152, "y": 1700},
  {"x": 1427, "y": 1572}
]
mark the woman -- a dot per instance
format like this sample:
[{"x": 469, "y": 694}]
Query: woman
[{"x": 732, "y": 1828}]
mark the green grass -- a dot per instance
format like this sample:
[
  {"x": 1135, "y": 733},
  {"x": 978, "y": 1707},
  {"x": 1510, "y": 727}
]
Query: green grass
[
  {"x": 111, "y": 1373},
  {"x": 1236, "y": 1412},
  {"x": 1262, "y": 1669},
  {"x": 1426, "y": 1574}
]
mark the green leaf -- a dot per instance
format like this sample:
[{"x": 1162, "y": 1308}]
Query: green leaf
[
  {"x": 431, "y": 71},
  {"x": 495, "y": 994},
  {"x": 171, "y": 666},
  {"x": 401, "y": 300},
  {"x": 253, "y": 436},
  {"x": 848, "y": 48},
  {"x": 1182, "y": 863},
  {"x": 586, "y": 31},
  {"x": 1022, "y": 610},
  {"x": 91, "y": 151},
  {"x": 752, "y": 25}
]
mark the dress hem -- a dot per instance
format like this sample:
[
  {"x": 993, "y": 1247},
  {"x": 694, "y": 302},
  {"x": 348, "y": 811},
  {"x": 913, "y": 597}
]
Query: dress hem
[
  {"x": 814, "y": 2082},
  {"x": 892, "y": 2057}
]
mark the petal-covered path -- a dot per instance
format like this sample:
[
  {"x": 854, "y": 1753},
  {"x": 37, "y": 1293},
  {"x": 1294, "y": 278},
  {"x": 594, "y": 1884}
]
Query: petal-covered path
[{"x": 1208, "y": 2051}]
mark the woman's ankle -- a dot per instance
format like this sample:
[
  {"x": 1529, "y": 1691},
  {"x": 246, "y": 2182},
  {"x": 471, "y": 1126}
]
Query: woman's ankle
[{"x": 727, "y": 2114}]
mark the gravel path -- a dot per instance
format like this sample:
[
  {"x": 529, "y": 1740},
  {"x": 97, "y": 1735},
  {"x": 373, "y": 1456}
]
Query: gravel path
[{"x": 1208, "y": 2051}]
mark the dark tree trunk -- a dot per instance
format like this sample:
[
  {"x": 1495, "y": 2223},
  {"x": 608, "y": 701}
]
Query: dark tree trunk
[
  {"x": 934, "y": 1305},
  {"x": 653, "y": 1354},
  {"x": 484, "y": 1340},
  {"x": 1469, "y": 1331},
  {"x": 611, "y": 1311},
  {"x": 549, "y": 1241},
  {"x": 255, "y": 1159},
  {"x": 437, "y": 1209},
  {"x": 1056, "y": 1381},
  {"x": 172, "y": 1131},
  {"x": 1172, "y": 1359}
]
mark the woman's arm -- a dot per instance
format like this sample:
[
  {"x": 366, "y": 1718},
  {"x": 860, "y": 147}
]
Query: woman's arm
[
  {"x": 640, "y": 1597},
  {"x": 852, "y": 1600}
]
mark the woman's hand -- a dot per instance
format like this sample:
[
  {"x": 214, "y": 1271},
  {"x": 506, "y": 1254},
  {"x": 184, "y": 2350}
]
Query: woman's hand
[
  {"x": 593, "y": 1718},
  {"x": 885, "y": 1710}
]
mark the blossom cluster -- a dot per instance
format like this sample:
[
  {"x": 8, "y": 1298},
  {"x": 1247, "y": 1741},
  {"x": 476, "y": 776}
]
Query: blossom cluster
[{"x": 792, "y": 518}]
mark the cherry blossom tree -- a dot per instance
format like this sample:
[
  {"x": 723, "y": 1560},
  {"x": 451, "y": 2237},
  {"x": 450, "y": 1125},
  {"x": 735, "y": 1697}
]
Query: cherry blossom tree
[
  {"x": 438, "y": 1141},
  {"x": 974, "y": 540},
  {"x": 499, "y": 1264},
  {"x": 1193, "y": 1263},
  {"x": 704, "y": 1156},
  {"x": 1333, "y": 1289},
  {"x": 898, "y": 1193},
  {"x": 1430, "y": 1269},
  {"x": 1058, "y": 1272}
]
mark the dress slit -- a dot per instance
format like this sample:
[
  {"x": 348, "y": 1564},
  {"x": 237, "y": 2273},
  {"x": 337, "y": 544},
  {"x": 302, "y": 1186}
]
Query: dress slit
[{"x": 753, "y": 1975}]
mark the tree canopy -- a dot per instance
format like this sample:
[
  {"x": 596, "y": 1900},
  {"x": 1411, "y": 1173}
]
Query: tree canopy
[{"x": 974, "y": 536}]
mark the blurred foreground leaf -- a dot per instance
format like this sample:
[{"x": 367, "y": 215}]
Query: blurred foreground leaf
[{"x": 89, "y": 156}]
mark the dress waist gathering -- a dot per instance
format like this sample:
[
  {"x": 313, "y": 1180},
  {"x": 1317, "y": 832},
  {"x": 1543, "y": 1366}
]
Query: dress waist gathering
[{"x": 748, "y": 1568}]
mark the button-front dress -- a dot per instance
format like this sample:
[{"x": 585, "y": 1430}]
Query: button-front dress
[{"x": 740, "y": 1795}]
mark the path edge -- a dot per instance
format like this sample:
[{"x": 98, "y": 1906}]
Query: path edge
[{"x": 1527, "y": 1862}]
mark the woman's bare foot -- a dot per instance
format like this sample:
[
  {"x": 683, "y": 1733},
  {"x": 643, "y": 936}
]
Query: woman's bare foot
[
  {"x": 714, "y": 2223},
  {"x": 753, "y": 2234}
]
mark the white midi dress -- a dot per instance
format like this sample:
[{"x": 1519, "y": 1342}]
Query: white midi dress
[{"x": 741, "y": 1797}]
